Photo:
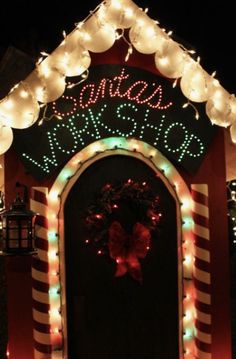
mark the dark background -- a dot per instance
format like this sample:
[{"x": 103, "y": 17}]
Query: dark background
[{"x": 208, "y": 26}]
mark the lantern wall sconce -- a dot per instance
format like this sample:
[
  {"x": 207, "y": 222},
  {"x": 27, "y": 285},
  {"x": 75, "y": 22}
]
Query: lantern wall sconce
[{"x": 18, "y": 231}]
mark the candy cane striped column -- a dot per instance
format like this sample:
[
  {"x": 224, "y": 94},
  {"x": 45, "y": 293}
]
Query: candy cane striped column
[
  {"x": 201, "y": 271},
  {"x": 40, "y": 268}
]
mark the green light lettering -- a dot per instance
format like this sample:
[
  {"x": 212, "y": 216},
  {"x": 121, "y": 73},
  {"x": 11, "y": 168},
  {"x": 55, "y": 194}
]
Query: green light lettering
[
  {"x": 44, "y": 166},
  {"x": 156, "y": 129},
  {"x": 182, "y": 140},
  {"x": 119, "y": 110}
]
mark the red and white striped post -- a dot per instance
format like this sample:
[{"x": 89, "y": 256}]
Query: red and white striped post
[
  {"x": 40, "y": 269},
  {"x": 202, "y": 271}
]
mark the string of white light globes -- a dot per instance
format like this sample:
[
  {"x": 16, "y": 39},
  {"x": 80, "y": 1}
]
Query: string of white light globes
[{"x": 97, "y": 33}]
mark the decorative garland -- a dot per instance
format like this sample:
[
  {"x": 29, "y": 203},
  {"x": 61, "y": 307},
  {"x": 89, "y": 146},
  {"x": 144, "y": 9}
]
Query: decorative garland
[{"x": 121, "y": 222}]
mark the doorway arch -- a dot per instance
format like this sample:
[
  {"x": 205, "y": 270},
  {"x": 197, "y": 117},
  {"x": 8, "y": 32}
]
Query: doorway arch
[{"x": 177, "y": 189}]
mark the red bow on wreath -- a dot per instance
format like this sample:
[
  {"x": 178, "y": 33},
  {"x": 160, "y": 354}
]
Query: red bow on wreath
[{"x": 127, "y": 248}]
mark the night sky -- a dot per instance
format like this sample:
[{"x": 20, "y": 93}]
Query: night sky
[{"x": 208, "y": 27}]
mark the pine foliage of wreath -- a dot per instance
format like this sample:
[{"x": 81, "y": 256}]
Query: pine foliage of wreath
[{"x": 127, "y": 204}]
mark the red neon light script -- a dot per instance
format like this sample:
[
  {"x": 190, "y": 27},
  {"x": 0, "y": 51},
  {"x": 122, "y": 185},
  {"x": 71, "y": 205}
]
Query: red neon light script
[
  {"x": 141, "y": 92},
  {"x": 112, "y": 87}
]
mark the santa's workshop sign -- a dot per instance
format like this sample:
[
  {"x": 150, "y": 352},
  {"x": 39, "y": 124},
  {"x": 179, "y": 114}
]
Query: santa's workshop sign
[{"x": 117, "y": 101}]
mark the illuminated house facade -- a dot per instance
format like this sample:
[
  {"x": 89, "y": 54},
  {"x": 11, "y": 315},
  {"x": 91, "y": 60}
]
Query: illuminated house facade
[{"x": 120, "y": 109}]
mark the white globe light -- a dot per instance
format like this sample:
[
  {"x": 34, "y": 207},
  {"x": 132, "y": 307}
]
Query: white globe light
[
  {"x": 145, "y": 35},
  {"x": 96, "y": 35},
  {"x": 221, "y": 107},
  {"x": 195, "y": 82},
  {"x": 232, "y": 108},
  {"x": 120, "y": 13},
  {"x": 19, "y": 109},
  {"x": 170, "y": 59},
  {"x": 233, "y": 132},
  {"x": 6, "y": 138},
  {"x": 70, "y": 58},
  {"x": 46, "y": 83}
]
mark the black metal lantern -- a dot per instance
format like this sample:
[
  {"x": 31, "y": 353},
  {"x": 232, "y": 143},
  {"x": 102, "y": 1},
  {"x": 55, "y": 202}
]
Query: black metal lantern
[{"x": 18, "y": 228}]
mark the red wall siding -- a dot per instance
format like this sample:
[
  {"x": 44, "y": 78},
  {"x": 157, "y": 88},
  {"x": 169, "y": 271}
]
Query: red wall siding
[{"x": 19, "y": 302}]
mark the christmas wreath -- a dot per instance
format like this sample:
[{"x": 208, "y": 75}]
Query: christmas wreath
[{"x": 121, "y": 222}]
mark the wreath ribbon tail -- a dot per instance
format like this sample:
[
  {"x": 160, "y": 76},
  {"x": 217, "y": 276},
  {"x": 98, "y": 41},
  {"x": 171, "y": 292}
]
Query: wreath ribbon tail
[
  {"x": 121, "y": 267},
  {"x": 134, "y": 268}
]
